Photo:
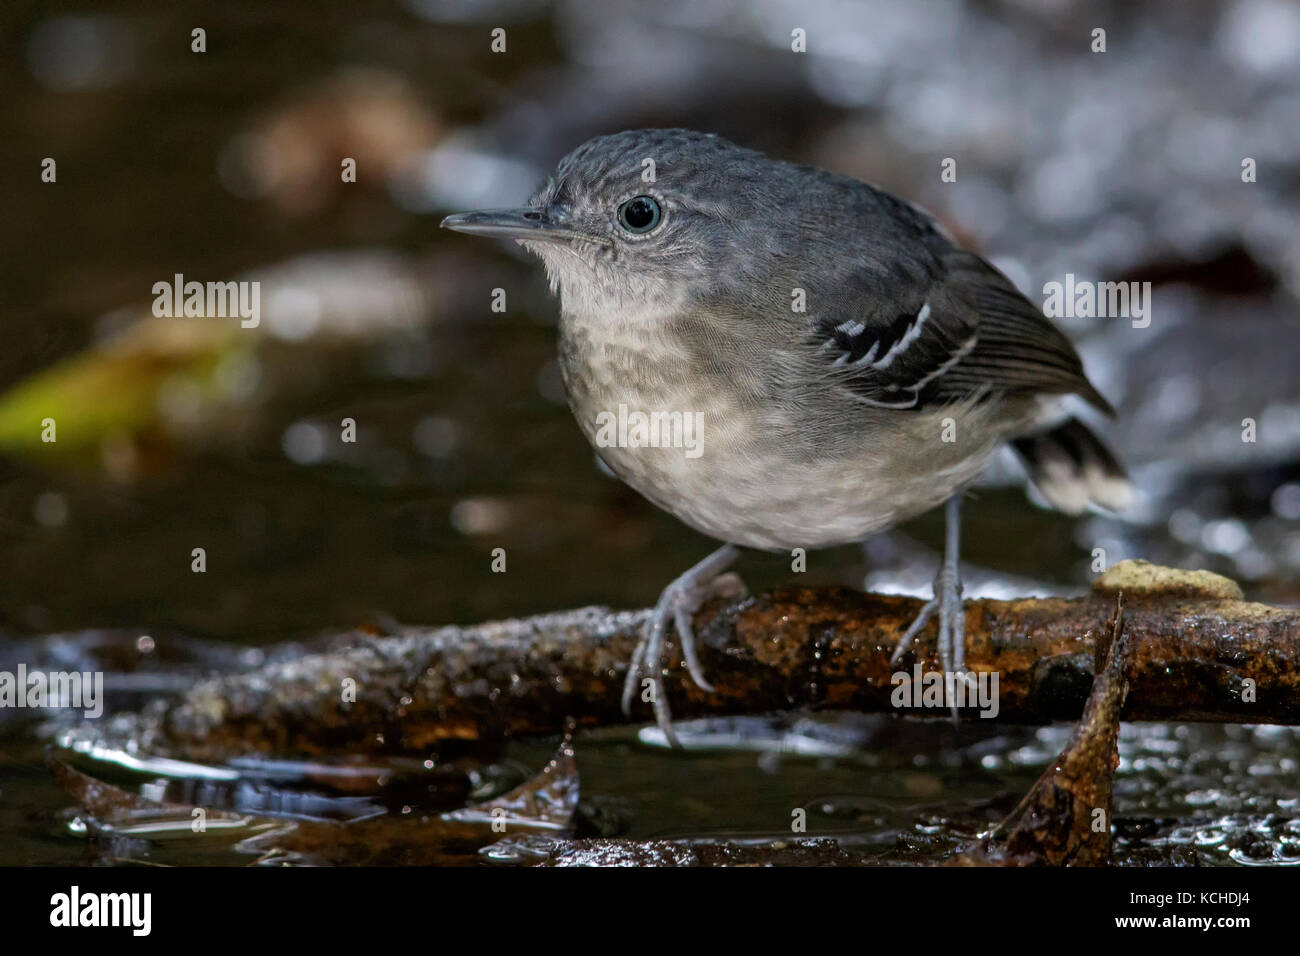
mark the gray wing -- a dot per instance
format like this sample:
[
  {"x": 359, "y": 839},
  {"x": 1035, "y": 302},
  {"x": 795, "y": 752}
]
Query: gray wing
[
  {"x": 893, "y": 350},
  {"x": 941, "y": 325}
]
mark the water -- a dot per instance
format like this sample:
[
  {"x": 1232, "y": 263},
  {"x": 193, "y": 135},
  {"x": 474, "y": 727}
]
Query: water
[{"x": 211, "y": 165}]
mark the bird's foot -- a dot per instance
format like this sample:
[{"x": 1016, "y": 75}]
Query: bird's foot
[
  {"x": 947, "y": 604},
  {"x": 676, "y": 606}
]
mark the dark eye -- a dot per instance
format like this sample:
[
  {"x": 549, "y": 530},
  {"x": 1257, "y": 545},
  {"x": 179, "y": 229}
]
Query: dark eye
[{"x": 640, "y": 214}]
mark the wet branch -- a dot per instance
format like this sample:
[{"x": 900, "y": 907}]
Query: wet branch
[
  {"x": 1065, "y": 819},
  {"x": 1199, "y": 653}
]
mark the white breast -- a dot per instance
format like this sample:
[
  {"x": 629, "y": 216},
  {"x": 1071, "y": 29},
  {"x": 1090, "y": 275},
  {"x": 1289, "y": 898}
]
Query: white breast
[
  {"x": 763, "y": 477},
  {"x": 775, "y": 470}
]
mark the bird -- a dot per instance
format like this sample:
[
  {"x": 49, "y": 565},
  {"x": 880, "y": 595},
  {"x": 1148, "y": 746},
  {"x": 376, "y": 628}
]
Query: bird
[{"x": 844, "y": 362}]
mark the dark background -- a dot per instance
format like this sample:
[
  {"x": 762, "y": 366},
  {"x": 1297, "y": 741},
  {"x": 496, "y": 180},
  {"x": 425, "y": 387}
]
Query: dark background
[{"x": 177, "y": 434}]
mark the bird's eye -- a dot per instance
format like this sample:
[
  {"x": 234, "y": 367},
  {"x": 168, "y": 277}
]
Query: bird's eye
[{"x": 640, "y": 214}]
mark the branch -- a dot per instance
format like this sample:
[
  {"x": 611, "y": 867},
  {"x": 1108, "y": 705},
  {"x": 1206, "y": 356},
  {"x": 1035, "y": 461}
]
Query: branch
[
  {"x": 1064, "y": 820},
  {"x": 1200, "y": 653}
]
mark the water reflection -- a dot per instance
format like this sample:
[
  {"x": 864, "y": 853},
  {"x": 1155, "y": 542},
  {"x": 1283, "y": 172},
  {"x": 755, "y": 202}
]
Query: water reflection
[{"x": 227, "y": 165}]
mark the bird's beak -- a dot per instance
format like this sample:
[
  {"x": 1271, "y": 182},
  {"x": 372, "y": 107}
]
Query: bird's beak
[{"x": 509, "y": 224}]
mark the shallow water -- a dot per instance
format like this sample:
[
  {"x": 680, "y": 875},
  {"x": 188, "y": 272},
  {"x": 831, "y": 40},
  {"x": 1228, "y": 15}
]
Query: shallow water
[
  {"x": 1126, "y": 167},
  {"x": 890, "y": 792}
]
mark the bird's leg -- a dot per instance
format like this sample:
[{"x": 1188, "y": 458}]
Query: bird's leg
[
  {"x": 946, "y": 601},
  {"x": 952, "y": 614},
  {"x": 677, "y": 605}
]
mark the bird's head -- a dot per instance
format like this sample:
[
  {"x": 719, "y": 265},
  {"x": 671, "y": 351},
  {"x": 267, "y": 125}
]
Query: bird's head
[{"x": 644, "y": 218}]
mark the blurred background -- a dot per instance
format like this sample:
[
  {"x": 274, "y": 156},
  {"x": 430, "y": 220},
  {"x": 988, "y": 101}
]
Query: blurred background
[{"x": 175, "y": 434}]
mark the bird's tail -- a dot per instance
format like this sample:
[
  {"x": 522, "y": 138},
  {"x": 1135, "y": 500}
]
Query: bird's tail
[{"x": 1072, "y": 469}]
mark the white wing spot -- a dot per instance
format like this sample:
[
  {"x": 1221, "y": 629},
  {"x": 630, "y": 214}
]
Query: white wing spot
[
  {"x": 956, "y": 357},
  {"x": 913, "y": 333},
  {"x": 871, "y": 353}
]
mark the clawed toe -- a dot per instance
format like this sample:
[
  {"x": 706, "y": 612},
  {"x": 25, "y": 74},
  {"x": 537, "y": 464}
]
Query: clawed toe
[
  {"x": 947, "y": 604},
  {"x": 676, "y": 607},
  {"x": 922, "y": 619}
]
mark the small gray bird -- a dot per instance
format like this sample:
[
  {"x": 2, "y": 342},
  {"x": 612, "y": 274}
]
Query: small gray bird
[{"x": 840, "y": 362}]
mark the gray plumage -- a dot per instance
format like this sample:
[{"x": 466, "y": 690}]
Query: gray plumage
[
  {"x": 805, "y": 444},
  {"x": 911, "y": 360}
]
